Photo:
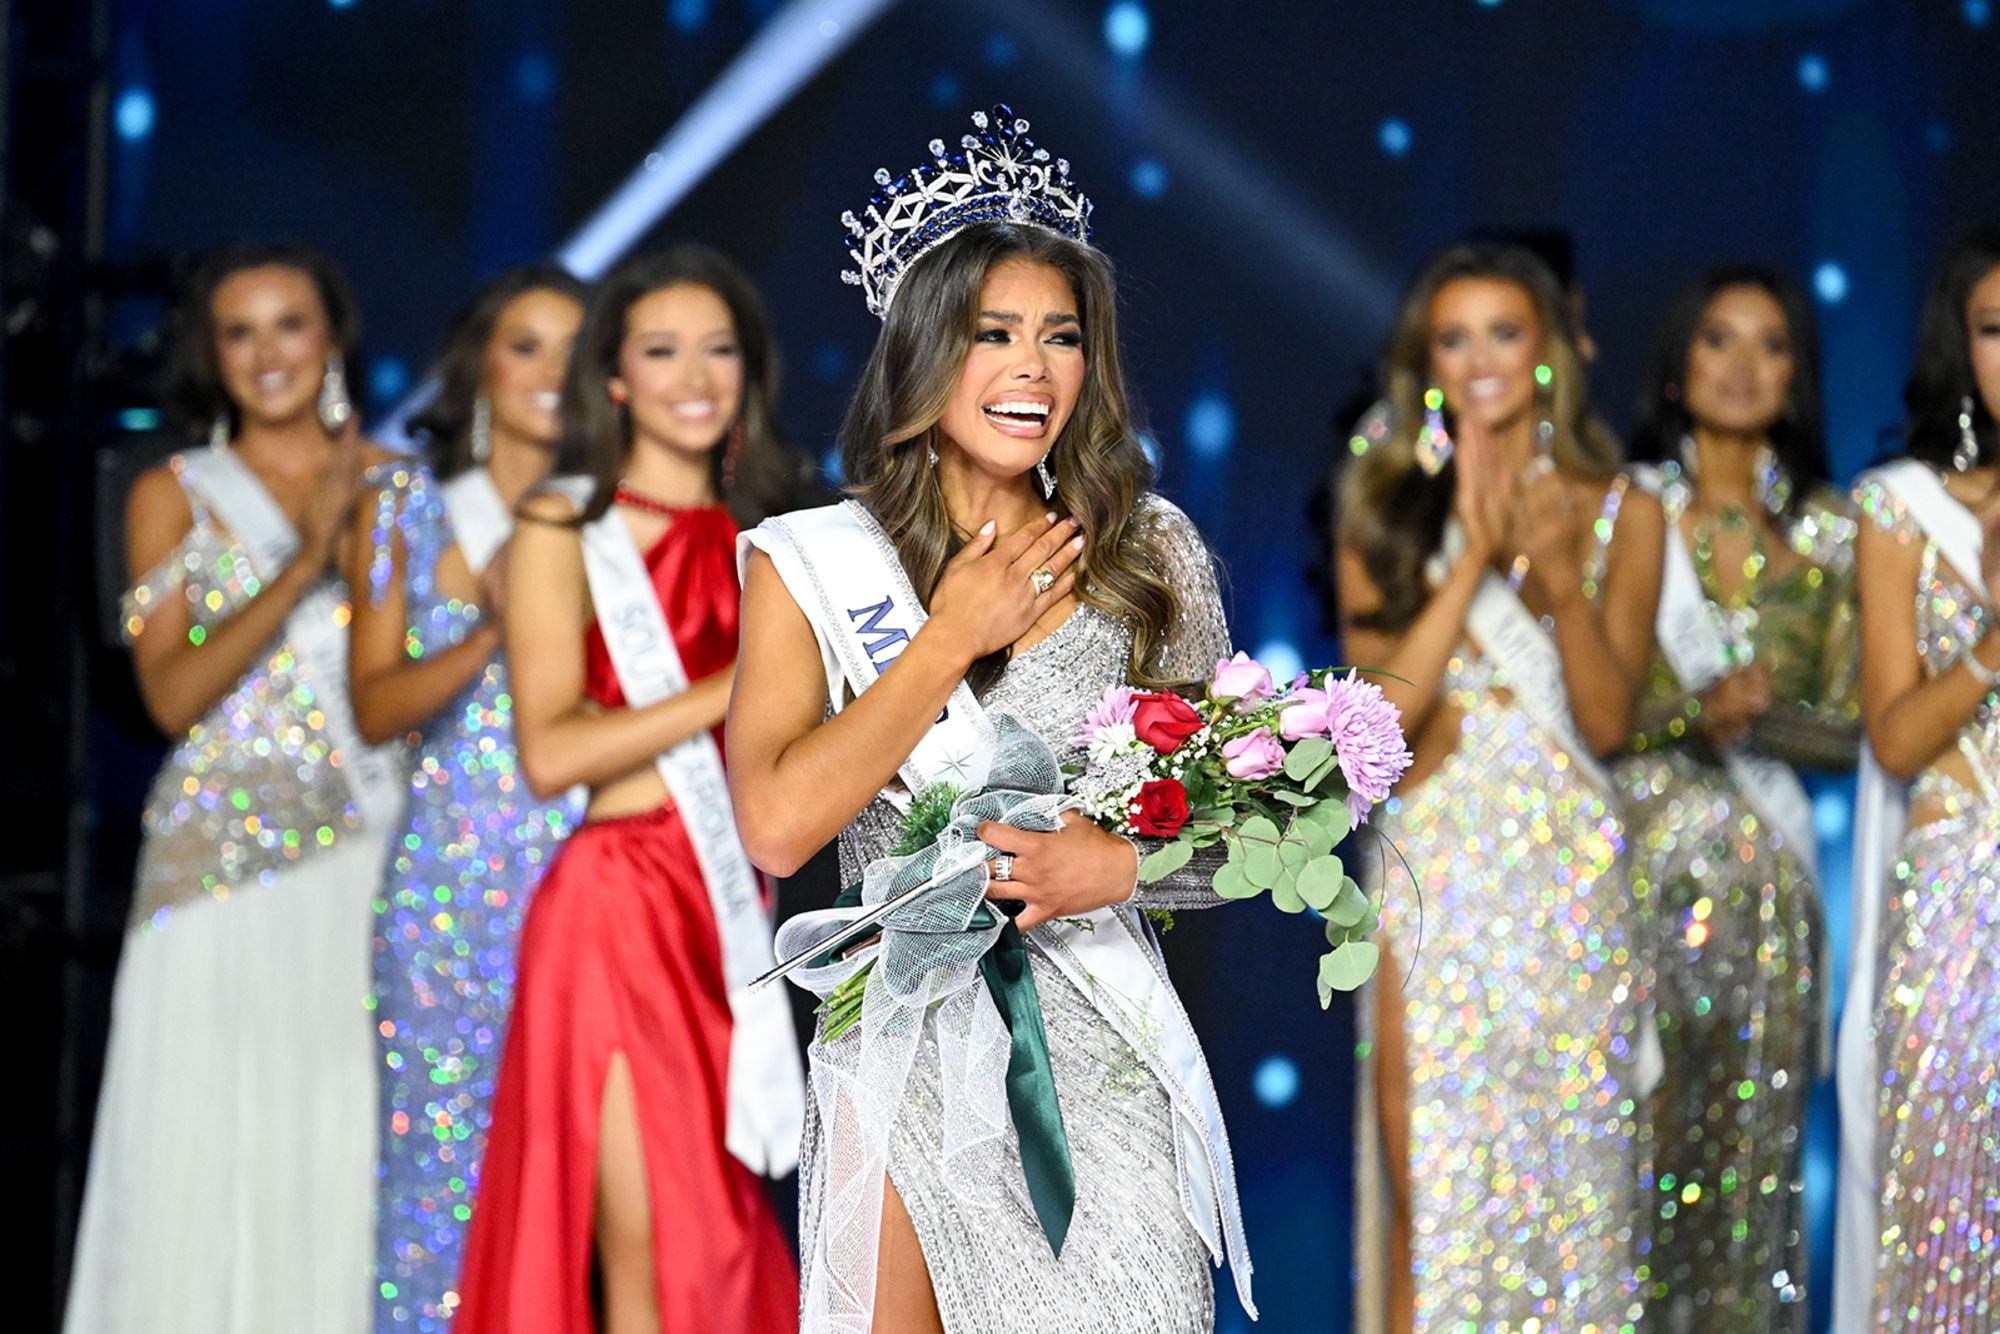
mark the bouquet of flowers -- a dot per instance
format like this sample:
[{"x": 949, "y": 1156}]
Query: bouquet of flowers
[{"x": 1278, "y": 777}]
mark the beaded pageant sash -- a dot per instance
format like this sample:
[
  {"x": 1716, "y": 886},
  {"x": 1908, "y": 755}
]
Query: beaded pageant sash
[
  {"x": 1880, "y": 815},
  {"x": 841, "y": 569},
  {"x": 766, "y": 1086},
  {"x": 316, "y": 629}
]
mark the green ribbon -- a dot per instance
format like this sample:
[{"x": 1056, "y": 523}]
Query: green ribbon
[{"x": 1032, "y": 1103}]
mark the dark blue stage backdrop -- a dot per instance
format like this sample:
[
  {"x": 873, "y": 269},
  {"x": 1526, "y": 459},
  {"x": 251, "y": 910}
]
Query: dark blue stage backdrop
[{"x": 1267, "y": 177}]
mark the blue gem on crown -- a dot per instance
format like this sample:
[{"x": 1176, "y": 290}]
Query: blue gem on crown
[{"x": 995, "y": 175}]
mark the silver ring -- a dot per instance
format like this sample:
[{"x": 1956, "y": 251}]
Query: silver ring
[
  {"x": 1043, "y": 579},
  {"x": 1003, "y": 866}
]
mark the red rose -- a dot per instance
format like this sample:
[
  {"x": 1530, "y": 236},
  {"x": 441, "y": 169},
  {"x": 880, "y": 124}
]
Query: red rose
[
  {"x": 1161, "y": 808},
  {"x": 1164, "y": 720}
]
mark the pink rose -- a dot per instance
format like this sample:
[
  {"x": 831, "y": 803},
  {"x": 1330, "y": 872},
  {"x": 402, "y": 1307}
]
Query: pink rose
[
  {"x": 1303, "y": 715},
  {"x": 1241, "y": 678},
  {"x": 1253, "y": 755}
]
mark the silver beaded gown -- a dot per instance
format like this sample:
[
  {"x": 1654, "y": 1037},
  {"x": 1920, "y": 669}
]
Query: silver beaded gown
[
  {"x": 1132, "y": 1263},
  {"x": 1936, "y": 1009}
]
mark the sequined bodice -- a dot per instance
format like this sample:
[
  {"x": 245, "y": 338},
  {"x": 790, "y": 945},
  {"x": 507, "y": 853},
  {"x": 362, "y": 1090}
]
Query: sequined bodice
[
  {"x": 254, "y": 786},
  {"x": 409, "y": 505},
  {"x": 1053, "y": 685},
  {"x": 1801, "y": 625},
  {"x": 1950, "y": 615}
]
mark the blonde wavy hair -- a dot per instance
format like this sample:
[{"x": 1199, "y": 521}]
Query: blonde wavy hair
[{"x": 1392, "y": 513}]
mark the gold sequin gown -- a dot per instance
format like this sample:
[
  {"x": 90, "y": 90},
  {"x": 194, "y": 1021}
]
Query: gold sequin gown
[
  {"x": 1937, "y": 1015},
  {"x": 1734, "y": 935},
  {"x": 1524, "y": 1003},
  {"x": 232, "y": 1169}
]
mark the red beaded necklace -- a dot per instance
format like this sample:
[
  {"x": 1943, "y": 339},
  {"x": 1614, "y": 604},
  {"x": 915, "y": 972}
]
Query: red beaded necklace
[{"x": 625, "y": 495}]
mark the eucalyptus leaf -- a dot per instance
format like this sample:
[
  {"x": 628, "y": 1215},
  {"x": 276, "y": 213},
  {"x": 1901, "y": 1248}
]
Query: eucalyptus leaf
[
  {"x": 1321, "y": 772},
  {"x": 1294, "y": 852},
  {"x": 1285, "y": 894},
  {"x": 1261, "y": 865},
  {"x": 1231, "y": 883},
  {"x": 1291, "y": 798},
  {"x": 1165, "y": 860},
  {"x": 1305, "y": 756},
  {"x": 1349, "y": 965},
  {"x": 1320, "y": 885},
  {"x": 1315, "y": 835},
  {"x": 1259, "y": 829},
  {"x": 1333, "y": 816},
  {"x": 1350, "y": 907}
]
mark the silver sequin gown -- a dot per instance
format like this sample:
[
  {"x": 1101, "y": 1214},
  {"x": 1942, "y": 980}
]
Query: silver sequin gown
[
  {"x": 1523, "y": 1006},
  {"x": 1132, "y": 1264},
  {"x": 1937, "y": 1010}
]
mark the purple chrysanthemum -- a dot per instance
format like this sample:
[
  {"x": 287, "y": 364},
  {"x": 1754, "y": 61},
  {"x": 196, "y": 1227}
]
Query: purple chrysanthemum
[
  {"x": 1367, "y": 732},
  {"x": 1115, "y": 707}
]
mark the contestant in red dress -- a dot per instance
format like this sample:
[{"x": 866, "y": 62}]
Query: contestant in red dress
[{"x": 608, "y": 1199}]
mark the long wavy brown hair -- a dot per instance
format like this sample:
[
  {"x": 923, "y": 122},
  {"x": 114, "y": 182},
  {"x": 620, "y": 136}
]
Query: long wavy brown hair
[
  {"x": 1100, "y": 468},
  {"x": 1391, "y": 511}
]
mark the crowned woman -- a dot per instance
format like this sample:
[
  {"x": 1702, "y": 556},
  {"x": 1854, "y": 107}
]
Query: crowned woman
[{"x": 1029, "y": 1140}]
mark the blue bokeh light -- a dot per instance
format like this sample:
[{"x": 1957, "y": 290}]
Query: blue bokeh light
[
  {"x": 944, "y": 91},
  {"x": 341, "y": 4},
  {"x": 1833, "y": 812},
  {"x": 1830, "y": 282},
  {"x": 1211, "y": 425},
  {"x": 1282, "y": 657},
  {"x": 535, "y": 77},
  {"x": 1149, "y": 179},
  {"x": 1276, "y": 1081},
  {"x": 135, "y": 115},
  {"x": 388, "y": 377},
  {"x": 1978, "y": 13},
  {"x": 687, "y": 15},
  {"x": 1938, "y": 137},
  {"x": 1151, "y": 444},
  {"x": 1813, "y": 73},
  {"x": 1395, "y": 137},
  {"x": 829, "y": 467},
  {"x": 1127, "y": 28},
  {"x": 1001, "y": 50}
]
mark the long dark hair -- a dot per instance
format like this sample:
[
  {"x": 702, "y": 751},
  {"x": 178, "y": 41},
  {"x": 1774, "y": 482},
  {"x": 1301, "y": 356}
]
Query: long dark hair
[
  {"x": 1798, "y": 437},
  {"x": 1391, "y": 511},
  {"x": 195, "y": 395},
  {"x": 597, "y": 433},
  {"x": 1100, "y": 467},
  {"x": 446, "y": 421},
  {"x": 1942, "y": 377}
]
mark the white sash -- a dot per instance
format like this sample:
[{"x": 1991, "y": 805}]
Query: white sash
[
  {"x": 1880, "y": 811},
  {"x": 841, "y": 569},
  {"x": 316, "y": 629},
  {"x": 1699, "y": 655},
  {"x": 766, "y": 1086},
  {"x": 481, "y": 523}
]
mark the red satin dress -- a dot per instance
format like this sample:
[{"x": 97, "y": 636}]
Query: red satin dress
[{"x": 620, "y": 953}]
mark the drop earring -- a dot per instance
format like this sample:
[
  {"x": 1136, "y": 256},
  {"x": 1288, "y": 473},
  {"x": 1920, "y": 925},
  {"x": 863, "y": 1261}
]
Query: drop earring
[
  {"x": 1967, "y": 454},
  {"x": 1046, "y": 477},
  {"x": 336, "y": 409},
  {"x": 1434, "y": 445},
  {"x": 481, "y": 431},
  {"x": 218, "y": 431},
  {"x": 1545, "y": 430}
]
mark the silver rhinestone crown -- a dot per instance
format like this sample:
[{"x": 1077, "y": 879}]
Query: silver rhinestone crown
[{"x": 996, "y": 175}]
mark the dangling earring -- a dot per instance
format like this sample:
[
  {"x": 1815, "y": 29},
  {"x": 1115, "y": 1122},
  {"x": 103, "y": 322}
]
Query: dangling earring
[
  {"x": 1433, "y": 441},
  {"x": 336, "y": 409},
  {"x": 1967, "y": 454},
  {"x": 481, "y": 431},
  {"x": 930, "y": 450},
  {"x": 1545, "y": 430},
  {"x": 730, "y": 453},
  {"x": 1047, "y": 479},
  {"x": 218, "y": 431}
]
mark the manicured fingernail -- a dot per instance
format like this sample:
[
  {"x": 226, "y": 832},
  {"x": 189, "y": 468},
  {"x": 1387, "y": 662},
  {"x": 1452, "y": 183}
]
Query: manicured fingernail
[
  {"x": 987, "y": 529},
  {"x": 1052, "y": 516},
  {"x": 1076, "y": 544}
]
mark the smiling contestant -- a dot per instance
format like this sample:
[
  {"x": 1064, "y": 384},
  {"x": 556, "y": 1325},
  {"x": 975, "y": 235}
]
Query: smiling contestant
[
  {"x": 1001, "y": 564},
  {"x": 643, "y": 1090}
]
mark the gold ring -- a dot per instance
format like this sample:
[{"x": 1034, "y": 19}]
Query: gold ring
[{"x": 1043, "y": 579}]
